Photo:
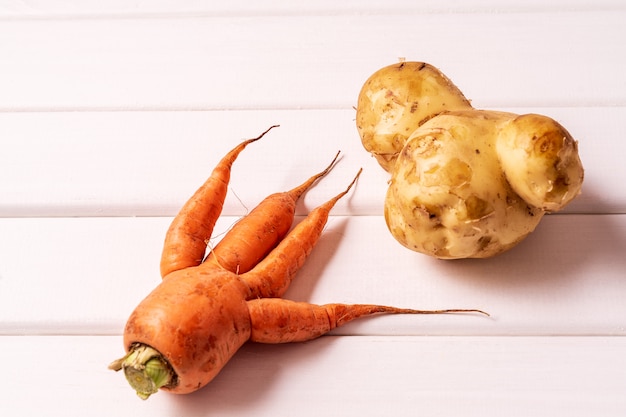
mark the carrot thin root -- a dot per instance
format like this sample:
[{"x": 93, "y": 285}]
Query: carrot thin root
[
  {"x": 297, "y": 192},
  {"x": 345, "y": 313}
]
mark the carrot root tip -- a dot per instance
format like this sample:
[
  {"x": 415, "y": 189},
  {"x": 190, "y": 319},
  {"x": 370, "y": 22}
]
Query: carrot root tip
[{"x": 264, "y": 133}]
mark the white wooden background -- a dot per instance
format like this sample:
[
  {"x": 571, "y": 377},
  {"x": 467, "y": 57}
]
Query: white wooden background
[{"x": 112, "y": 113}]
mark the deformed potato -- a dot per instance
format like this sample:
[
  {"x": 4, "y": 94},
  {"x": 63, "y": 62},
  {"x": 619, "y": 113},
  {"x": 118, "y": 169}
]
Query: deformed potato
[
  {"x": 465, "y": 183},
  {"x": 540, "y": 160},
  {"x": 396, "y": 100}
]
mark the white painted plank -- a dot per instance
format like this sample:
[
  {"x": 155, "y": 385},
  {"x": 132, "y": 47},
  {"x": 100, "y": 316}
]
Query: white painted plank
[
  {"x": 149, "y": 163},
  {"x": 137, "y": 163},
  {"x": 342, "y": 376},
  {"x": 47, "y": 8},
  {"x": 82, "y": 276},
  {"x": 85, "y": 275},
  {"x": 233, "y": 62}
]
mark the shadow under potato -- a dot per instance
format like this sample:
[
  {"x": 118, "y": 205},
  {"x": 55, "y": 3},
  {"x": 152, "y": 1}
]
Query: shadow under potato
[{"x": 556, "y": 253}]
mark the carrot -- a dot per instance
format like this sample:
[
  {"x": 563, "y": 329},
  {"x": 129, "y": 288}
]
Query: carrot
[
  {"x": 261, "y": 230},
  {"x": 272, "y": 276},
  {"x": 183, "y": 333},
  {"x": 185, "y": 241},
  {"x": 275, "y": 320}
]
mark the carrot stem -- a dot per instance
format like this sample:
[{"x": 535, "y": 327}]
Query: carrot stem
[{"x": 145, "y": 370}]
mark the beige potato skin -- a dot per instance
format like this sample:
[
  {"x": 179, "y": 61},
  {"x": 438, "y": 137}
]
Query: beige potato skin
[
  {"x": 396, "y": 100},
  {"x": 444, "y": 199},
  {"x": 465, "y": 183},
  {"x": 540, "y": 159}
]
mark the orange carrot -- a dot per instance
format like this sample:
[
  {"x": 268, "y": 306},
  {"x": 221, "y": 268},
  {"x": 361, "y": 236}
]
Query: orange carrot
[
  {"x": 184, "y": 332},
  {"x": 275, "y": 320},
  {"x": 272, "y": 276},
  {"x": 185, "y": 241},
  {"x": 251, "y": 238}
]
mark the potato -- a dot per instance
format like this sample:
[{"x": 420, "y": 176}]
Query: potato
[
  {"x": 444, "y": 199},
  {"x": 397, "y": 99},
  {"x": 465, "y": 183},
  {"x": 541, "y": 162}
]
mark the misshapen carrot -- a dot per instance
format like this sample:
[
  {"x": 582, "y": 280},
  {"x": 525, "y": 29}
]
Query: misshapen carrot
[
  {"x": 185, "y": 241},
  {"x": 251, "y": 238},
  {"x": 184, "y": 332},
  {"x": 272, "y": 276},
  {"x": 275, "y": 320}
]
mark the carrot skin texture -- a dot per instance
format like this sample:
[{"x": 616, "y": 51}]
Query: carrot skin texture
[
  {"x": 185, "y": 241},
  {"x": 196, "y": 320},
  {"x": 276, "y": 320},
  {"x": 256, "y": 234},
  {"x": 187, "y": 236},
  {"x": 271, "y": 277}
]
